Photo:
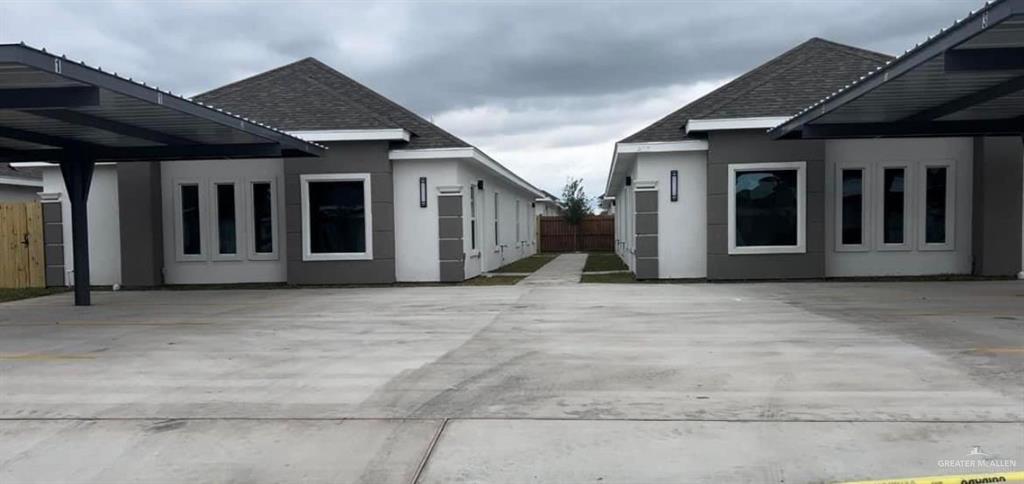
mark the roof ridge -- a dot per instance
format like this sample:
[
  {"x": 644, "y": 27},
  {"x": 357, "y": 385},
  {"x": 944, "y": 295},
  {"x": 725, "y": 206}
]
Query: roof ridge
[
  {"x": 351, "y": 102},
  {"x": 385, "y": 99}
]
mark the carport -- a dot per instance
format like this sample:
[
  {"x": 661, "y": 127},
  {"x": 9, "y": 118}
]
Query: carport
[
  {"x": 57, "y": 110},
  {"x": 967, "y": 80}
]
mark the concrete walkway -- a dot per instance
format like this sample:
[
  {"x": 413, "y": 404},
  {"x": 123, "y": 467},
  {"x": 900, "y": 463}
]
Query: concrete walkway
[{"x": 565, "y": 269}]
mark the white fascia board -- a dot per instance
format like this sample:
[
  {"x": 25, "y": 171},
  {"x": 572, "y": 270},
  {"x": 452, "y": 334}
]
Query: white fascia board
[
  {"x": 651, "y": 147},
  {"x": 662, "y": 146},
  {"x": 20, "y": 182},
  {"x": 718, "y": 124},
  {"x": 396, "y": 134},
  {"x": 465, "y": 153}
]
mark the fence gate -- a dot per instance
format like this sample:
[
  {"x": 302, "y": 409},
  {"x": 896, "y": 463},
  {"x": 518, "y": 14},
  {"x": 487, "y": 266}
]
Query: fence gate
[
  {"x": 595, "y": 233},
  {"x": 21, "y": 245}
]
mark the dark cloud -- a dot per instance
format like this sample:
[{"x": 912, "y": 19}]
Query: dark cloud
[{"x": 546, "y": 85}]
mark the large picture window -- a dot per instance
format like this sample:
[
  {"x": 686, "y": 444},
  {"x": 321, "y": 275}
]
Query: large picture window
[
  {"x": 766, "y": 208},
  {"x": 336, "y": 217}
]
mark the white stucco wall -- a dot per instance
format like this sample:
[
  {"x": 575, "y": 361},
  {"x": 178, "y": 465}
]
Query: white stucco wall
[
  {"x": 682, "y": 225},
  {"x": 416, "y": 228},
  {"x": 210, "y": 269},
  {"x": 508, "y": 248},
  {"x": 913, "y": 152},
  {"x": 104, "y": 224}
]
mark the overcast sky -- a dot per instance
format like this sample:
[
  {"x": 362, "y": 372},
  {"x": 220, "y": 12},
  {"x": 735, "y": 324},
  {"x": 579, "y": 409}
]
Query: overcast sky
[{"x": 546, "y": 88}]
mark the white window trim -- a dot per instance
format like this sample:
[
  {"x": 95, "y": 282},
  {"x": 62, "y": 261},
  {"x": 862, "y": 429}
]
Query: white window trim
[
  {"x": 214, "y": 222},
  {"x": 909, "y": 193},
  {"x": 179, "y": 243},
  {"x": 250, "y": 207},
  {"x": 801, "y": 202},
  {"x": 922, "y": 189},
  {"x": 865, "y": 209},
  {"x": 497, "y": 220},
  {"x": 307, "y": 254}
]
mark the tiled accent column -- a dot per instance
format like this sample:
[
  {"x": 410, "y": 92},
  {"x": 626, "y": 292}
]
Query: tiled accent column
[
  {"x": 449, "y": 230},
  {"x": 53, "y": 239},
  {"x": 646, "y": 224}
]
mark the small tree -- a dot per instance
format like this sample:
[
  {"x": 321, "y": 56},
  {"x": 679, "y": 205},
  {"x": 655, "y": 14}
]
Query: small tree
[{"x": 577, "y": 206}]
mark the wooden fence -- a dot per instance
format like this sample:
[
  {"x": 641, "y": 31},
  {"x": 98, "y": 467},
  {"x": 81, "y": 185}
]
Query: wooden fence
[
  {"x": 21, "y": 245},
  {"x": 595, "y": 233}
]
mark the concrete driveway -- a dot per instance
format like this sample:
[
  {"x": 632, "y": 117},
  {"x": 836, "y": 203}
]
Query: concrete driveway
[{"x": 798, "y": 382}]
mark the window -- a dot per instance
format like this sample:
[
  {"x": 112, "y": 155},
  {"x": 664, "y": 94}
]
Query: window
[
  {"x": 895, "y": 208},
  {"x": 227, "y": 227},
  {"x": 189, "y": 221},
  {"x": 937, "y": 229},
  {"x": 766, "y": 208},
  {"x": 851, "y": 214},
  {"x": 336, "y": 217},
  {"x": 472, "y": 217},
  {"x": 496, "y": 239},
  {"x": 518, "y": 238},
  {"x": 264, "y": 224}
]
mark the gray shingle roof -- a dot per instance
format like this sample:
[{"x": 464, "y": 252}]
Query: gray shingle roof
[
  {"x": 780, "y": 87},
  {"x": 310, "y": 95},
  {"x": 6, "y": 170}
]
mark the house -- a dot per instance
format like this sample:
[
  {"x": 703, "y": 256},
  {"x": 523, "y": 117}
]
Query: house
[
  {"x": 966, "y": 81},
  {"x": 19, "y": 184},
  {"x": 394, "y": 198},
  {"x": 705, "y": 192}
]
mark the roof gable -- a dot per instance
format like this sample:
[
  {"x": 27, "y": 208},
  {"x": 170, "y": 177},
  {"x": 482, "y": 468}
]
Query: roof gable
[
  {"x": 309, "y": 95},
  {"x": 780, "y": 87}
]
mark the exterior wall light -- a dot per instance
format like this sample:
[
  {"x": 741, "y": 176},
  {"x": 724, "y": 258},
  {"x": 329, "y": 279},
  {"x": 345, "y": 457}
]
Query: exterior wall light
[
  {"x": 673, "y": 185},
  {"x": 479, "y": 184},
  {"x": 629, "y": 181},
  {"x": 423, "y": 192}
]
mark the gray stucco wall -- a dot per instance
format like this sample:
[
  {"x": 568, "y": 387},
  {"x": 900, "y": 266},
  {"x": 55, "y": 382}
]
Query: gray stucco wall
[
  {"x": 996, "y": 230},
  {"x": 451, "y": 254},
  {"x": 728, "y": 147},
  {"x": 53, "y": 243},
  {"x": 141, "y": 220},
  {"x": 646, "y": 234},
  {"x": 344, "y": 157}
]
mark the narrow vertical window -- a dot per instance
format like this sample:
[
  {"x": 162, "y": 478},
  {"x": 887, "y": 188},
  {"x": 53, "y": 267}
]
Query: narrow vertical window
[
  {"x": 853, "y": 207},
  {"x": 935, "y": 205},
  {"x": 893, "y": 195},
  {"x": 518, "y": 238},
  {"x": 227, "y": 232},
  {"x": 190, "y": 226},
  {"x": 262, "y": 218},
  {"x": 472, "y": 217}
]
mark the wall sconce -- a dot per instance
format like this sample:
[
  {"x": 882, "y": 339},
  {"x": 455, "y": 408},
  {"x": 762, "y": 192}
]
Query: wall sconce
[
  {"x": 629, "y": 181},
  {"x": 673, "y": 185},
  {"x": 479, "y": 184},
  {"x": 423, "y": 191}
]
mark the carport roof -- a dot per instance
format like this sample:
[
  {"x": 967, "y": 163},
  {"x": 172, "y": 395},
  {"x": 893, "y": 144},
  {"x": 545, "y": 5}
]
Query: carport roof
[
  {"x": 966, "y": 80},
  {"x": 50, "y": 105}
]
